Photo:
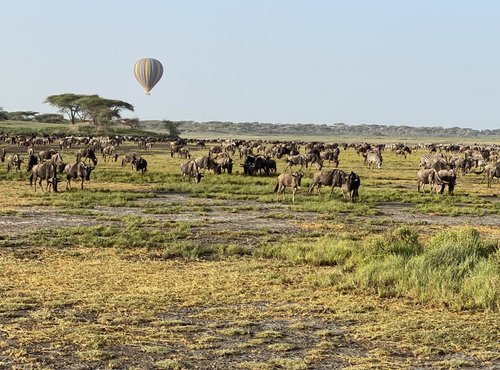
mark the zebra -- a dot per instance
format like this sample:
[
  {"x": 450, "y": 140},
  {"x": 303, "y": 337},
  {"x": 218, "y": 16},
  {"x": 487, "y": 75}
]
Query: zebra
[
  {"x": 428, "y": 160},
  {"x": 373, "y": 159}
]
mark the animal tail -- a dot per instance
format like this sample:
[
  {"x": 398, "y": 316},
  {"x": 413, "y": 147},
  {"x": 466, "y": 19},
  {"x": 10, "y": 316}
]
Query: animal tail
[
  {"x": 276, "y": 187},
  {"x": 31, "y": 179},
  {"x": 439, "y": 180}
]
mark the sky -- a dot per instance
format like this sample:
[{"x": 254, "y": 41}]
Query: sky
[{"x": 416, "y": 63}]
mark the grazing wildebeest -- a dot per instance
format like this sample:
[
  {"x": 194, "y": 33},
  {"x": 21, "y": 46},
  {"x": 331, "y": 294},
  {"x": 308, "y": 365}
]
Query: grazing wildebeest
[
  {"x": 32, "y": 161},
  {"x": 291, "y": 180},
  {"x": 190, "y": 169},
  {"x": 2, "y": 154},
  {"x": 225, "y": 164},
  {"x": 332, "y": 156},
  {"x": 426, "y": 176},
  {"x": 86, "y": 153},
  {"x": 490, "y": 171},
  {"x": 141, "y": 165},
  {"x": 353, "y": 182},
  {"x": 44, "y": 171},
  {"x": 14, "y": 161},
  {"x": 271, "y": 164},
  {"x": 446, "y": 177},
  {"x": 333, "y": 178},
  {"x": 75, "y": 171},
  {"x": 206, "y": 162},
  {"x": 296, "y": 160},
  {"x": 253, "y": 164},
  {"x": 129, "y": 158},
  {"x": 400, "y": 152}
]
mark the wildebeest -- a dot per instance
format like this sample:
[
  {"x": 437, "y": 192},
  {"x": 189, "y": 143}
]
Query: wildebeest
[
  {"x": 14, "y": 161},
  {"x": 426, "y": 176},
  {"x": 2, "y": 154},
  {"x": 190, "y": 169},
  {"x": 75, "y": 171},
  {"x": 86, "y": 153},
  {"x": 333, "y": 178},
  {"x": 400, "y": 152},
  {"x": 141, "y": 164},
  {"x": 44, "y": 171},
  {"x": 285, "y": 180},
  {"x": 490, "y": 171},
  {"x": 129, "y": 158},
  {"x": 446, "y": 178},
  {"x": 352, "y": 183},
  {"x": 32, "y": 161},
  {"x": 206, "y": 162},
  {"x": 296, "y": 160},
  {"x": 180, "y": 149},
  {"x": 46, "y": 155},
  {"x": 253, "y": 164},
  {"x": 332, "y": 155},
  {"x": 314, "y": 157},
  {"x": 225, "y": 164}
]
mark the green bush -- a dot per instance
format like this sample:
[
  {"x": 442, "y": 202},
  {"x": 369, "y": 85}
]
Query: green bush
[{"x": 455, "y": 268}]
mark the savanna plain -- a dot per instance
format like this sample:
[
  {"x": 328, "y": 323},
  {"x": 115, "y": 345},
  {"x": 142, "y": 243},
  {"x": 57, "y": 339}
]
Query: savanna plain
[{"x": 154, "y": 272}]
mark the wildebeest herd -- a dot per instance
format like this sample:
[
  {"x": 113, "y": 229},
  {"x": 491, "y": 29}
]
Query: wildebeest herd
[{"x": 438, "y": 168}]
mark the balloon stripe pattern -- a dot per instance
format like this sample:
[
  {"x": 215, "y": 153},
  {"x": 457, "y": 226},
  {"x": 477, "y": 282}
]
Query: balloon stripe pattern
[{"x": 148, "y": 72}]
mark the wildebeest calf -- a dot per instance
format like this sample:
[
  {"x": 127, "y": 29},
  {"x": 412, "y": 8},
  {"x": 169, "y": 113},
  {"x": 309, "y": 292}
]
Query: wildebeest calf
[
  {"x": 291, "y": 180},
  {"x": 141, "y": 164},
  {"x": 129, "y": 158},
  {"x": 353, "y": 182},
  {"x": 14, "y": 161},
  {"x": 426, "y": 176}
]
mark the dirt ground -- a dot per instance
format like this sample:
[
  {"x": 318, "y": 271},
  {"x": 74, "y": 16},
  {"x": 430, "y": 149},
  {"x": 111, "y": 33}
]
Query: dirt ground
[{"x": 273, "y": 217}]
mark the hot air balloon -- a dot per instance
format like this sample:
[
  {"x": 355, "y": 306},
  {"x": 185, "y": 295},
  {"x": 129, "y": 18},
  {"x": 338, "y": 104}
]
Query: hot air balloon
[{"x": 148, "y": 72}]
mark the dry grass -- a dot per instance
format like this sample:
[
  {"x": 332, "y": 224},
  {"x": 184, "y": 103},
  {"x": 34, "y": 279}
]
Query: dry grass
[{"x": 86, "y": 306}]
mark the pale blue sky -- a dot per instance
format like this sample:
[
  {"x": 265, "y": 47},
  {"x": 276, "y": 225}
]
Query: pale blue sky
[{"x": 420, "y": 63}]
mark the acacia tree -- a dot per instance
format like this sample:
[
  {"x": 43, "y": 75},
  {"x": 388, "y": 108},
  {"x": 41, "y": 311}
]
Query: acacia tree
[
  {"x": 88, "y": 107},
  {"x": 172, "y": 127},
  {"x": 130, "y": 122},
  {"x": 101, "y": 110},
  {"x": 3, "y": 115},
  {"x": 66, "y": 104}
]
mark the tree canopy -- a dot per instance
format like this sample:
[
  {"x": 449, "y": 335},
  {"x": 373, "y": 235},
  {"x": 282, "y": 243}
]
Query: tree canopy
[
  {"x": 89, "y": 107},
  {"x": 172, "y": 127}
]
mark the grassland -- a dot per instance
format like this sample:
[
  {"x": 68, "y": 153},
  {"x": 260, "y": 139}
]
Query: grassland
[{"x": 153, "y": 272}]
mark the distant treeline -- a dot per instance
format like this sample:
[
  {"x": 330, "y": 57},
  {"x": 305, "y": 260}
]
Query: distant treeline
[
  {"x": 31, "y": 116},
  {"x": 300, "y": 129}
]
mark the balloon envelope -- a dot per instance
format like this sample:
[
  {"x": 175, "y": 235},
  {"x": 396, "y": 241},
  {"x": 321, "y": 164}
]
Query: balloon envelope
[{"x": 148, "y": 72}]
